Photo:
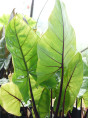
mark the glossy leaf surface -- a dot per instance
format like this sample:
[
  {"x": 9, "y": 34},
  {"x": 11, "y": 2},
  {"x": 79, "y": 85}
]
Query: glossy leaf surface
[{"x": 22, "y": 44}]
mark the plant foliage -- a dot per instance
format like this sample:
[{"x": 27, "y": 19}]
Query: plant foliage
[{"x": 47, "y": 69}]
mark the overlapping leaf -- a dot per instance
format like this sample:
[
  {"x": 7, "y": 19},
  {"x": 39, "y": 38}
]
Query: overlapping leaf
[
  {"x": 42, "y": 99},
  {"x": 57, "y": 59},
  {"x": 44, "y": 104},
  {"x": 83, "y": 93},
  {"x": 72, "y": 83},
  {"x": 22, "y": 43},
  {"x": 57, "y": 47}
]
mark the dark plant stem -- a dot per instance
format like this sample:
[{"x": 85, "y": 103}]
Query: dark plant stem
[
  {"x": 86, "y": 114},
  {"x": 51, "y": 105},
  {"x": 24, "y": 109},
  {"x": 69, "y": 115},
  {"x": 32, "y": 97},
  {"x": 62, "y": 76},
  {"x": 84, "y": 49},
  {"x": 34, "y": 106},
  {"x": 32, "y": 7},
  {"x": 81, "y": 108},
  {"x": 60, "y": 114}
]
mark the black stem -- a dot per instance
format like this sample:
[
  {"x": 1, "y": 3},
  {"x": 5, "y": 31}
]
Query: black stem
[
  {"x": 51, "y": 105},
  {"x": 81, "y": 107},
  {"x": 60, "y": 114},
  {"x": 32, "y": 7},
  {"x": 84, "y": 50},
  {"x": 32, "y": 97},
  {"x": 69, "y": 115},
  {"x": 34, "y": 106},
  {"x": 86, "y": 114},
  {"x": 24, "y": 109}
]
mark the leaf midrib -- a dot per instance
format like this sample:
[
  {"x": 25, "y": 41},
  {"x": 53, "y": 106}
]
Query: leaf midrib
[
  {"x": 62, "y": 76},
  {"x": 28, "y": 77},
  {"x": 22, "y": 53}
]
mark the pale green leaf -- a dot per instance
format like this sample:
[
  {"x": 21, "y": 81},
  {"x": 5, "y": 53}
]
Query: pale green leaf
[
  {"x": 57, "y": 42},
  {"x": 11, "y": 96}
]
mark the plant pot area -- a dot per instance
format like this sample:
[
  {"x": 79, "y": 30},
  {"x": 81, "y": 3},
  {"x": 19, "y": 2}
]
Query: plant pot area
[
  {"x": 76, "y": 113},
  {"x": 4, "y": 114}
]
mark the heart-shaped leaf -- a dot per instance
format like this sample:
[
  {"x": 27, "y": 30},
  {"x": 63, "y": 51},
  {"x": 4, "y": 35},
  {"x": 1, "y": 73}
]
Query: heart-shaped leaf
[
  {"x": 57, "y": 46},
  {"x": 11, "y": 98},
  {"x": 22, "y": 44}
]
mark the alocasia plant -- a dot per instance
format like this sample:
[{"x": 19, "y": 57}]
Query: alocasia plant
[
  {"x": 58, "y": 59},
  {"x": 47, "y": 67}
]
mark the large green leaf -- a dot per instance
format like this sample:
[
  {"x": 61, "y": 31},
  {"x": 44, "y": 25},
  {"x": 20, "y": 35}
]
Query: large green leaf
[
  {"x": 22, "y": 43},
  {"x": 11, "y": 98},
  {"x": 58, "y": 61},
  {"x": 71, "y": 83},
  {"x": 57, "y": 46}
]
